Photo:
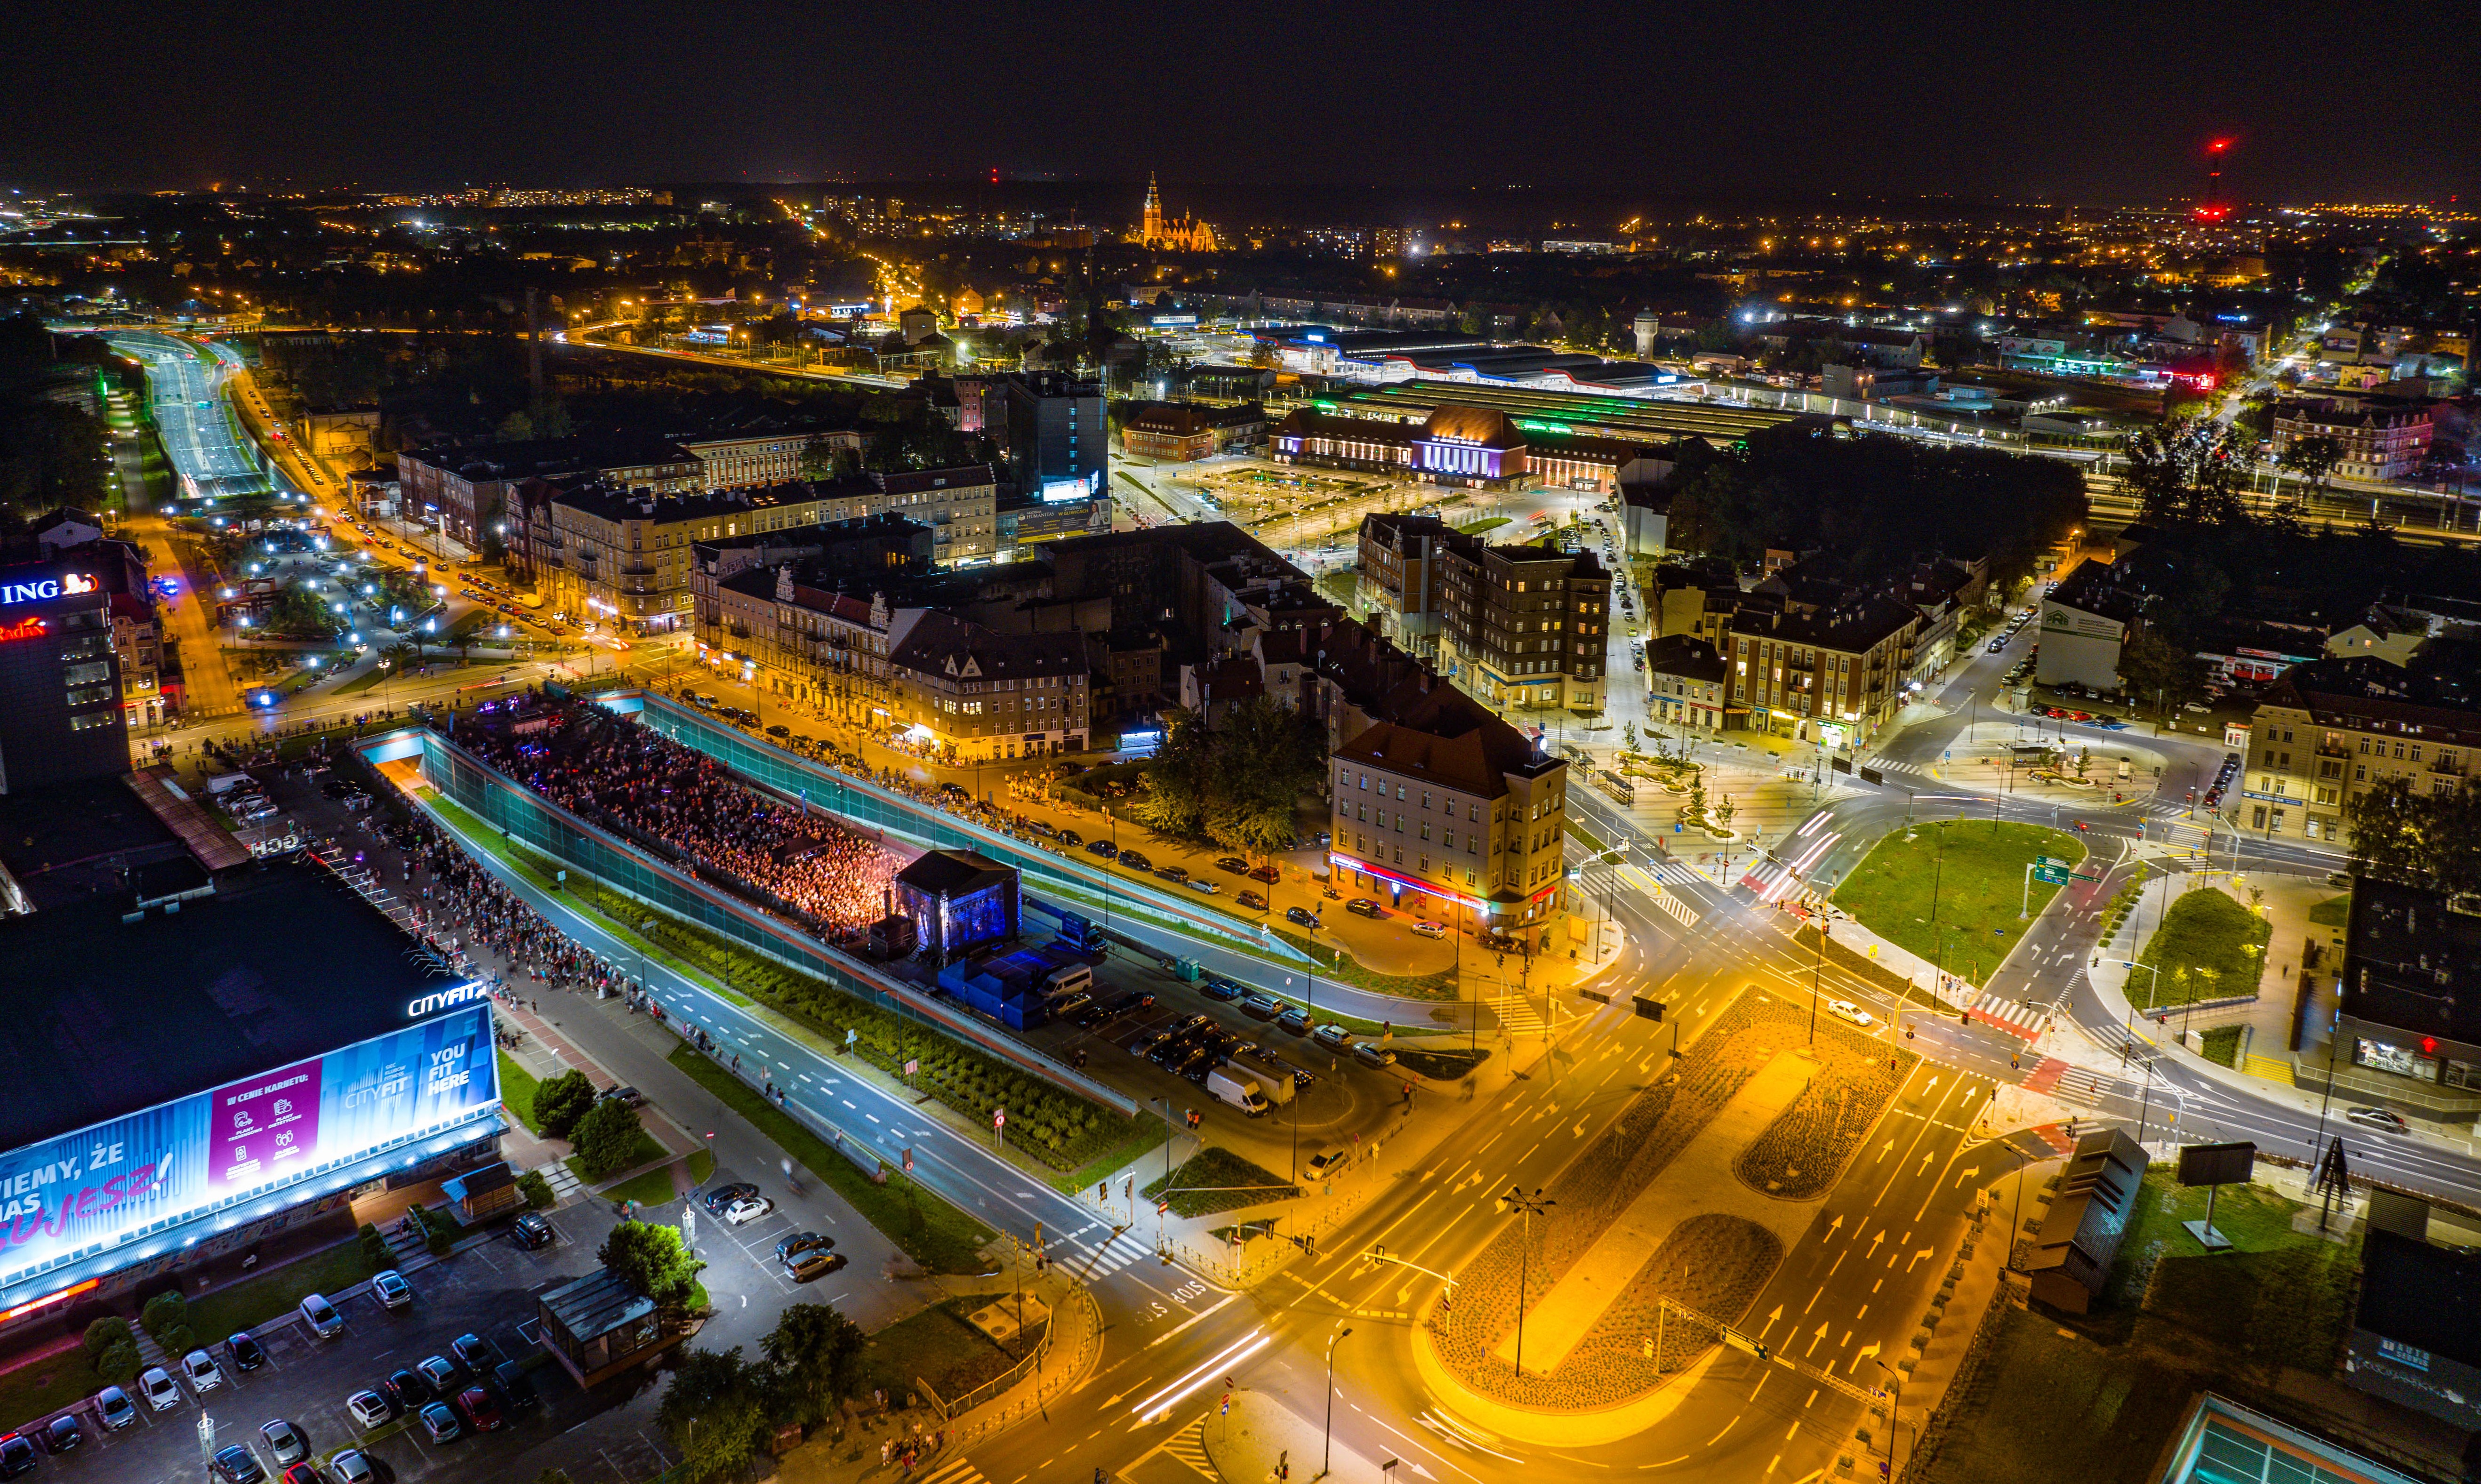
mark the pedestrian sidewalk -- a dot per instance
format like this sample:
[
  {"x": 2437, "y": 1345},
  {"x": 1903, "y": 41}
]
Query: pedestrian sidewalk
[
  {"x": 852, "y": 1453},
  {"x": 1257, "y": 1438}
]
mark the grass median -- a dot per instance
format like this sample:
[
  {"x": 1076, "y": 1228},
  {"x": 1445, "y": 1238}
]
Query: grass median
[
  {"x": 517, "y": 1092},
  {"x": 1951, "y": 893},
  {"x": 2208, "y": 947},
  {"x": 1214, "y": 1180},
  {"x": 926, "y": 1228}
]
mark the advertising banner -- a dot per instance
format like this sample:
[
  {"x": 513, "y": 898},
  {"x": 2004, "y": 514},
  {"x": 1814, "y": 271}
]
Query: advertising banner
[{"x": 98, "y": 1187}]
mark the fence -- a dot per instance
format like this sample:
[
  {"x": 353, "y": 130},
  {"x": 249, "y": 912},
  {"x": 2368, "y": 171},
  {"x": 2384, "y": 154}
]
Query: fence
[{"x": 1048, "y": 1384}]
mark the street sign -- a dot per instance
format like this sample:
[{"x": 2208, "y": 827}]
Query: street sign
[
  {"x": 2057, "y": 875},
  {"x": 998, "y": 1118},
  {"x": 1872, "y": 775},
  {"x": 2053, "y": 860}
]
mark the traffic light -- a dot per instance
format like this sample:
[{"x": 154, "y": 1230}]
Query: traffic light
[{"x": 1102, "y": 1190}]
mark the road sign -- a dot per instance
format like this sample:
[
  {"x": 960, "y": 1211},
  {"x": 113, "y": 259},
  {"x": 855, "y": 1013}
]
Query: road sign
[
  {"x": 998, "y": 1118},
  {"x": 2053, "y": 860},
  {"x": 1872, "y": 775},
  {"x": 2057, "y": 875}
]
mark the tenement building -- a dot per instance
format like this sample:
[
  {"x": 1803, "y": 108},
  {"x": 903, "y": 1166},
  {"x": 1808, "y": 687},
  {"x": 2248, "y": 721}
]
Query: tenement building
[
  {"x": 2326, "y": 732},
  {"x": 1833, "y": 674},
  {"x": 969, "y": 693}
]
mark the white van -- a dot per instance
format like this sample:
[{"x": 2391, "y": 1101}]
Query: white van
[
  {"x": 1240, "y": 1091},
  {"x": 1068, "y": 980}
]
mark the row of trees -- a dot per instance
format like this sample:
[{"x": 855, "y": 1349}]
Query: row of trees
[
  {"x": 1239, "y": 784},
  {"x": 1870, "y": 503},
  {"x": 720, "y": 1407}
]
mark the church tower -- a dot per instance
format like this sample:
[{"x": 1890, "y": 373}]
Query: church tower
[{"x": 1150, "y": 229}]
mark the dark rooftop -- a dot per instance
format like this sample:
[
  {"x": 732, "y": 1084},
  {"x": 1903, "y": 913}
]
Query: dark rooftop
[
  {"x": 68, "y": 843},
  {"x": 2423, "y": 1296},
  {"x": 107, "y": 1017}
]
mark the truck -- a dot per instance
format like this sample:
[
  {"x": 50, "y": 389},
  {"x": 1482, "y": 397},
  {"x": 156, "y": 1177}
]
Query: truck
[
  {"x": 1276, "y": 1085},
  {"x": 1237, "y": 1088},
  {"x": 1078, "y": 933}
]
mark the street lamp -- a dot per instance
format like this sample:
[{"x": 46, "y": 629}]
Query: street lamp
[
  {"x": 1529, "y": 1207},
  {"x": 1326, "y": 1452},
  {"x": 1894, "y": 1412}
]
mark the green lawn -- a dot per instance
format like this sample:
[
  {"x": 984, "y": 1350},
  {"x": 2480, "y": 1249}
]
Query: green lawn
[
  {"x": 931, "y": 1231},
  {"x": 1483, "y": 526},
  {"x": 654, "y": 1187},
  {"x": 938, "y": 1346},
  {"x": 2202, "y": 951},
  {"x": 2333, "y": 912},
  {"x": 1972, "y": 871},
  {"x": 257, "y": 1300},
  {"x": 645, "y": 1149},
  {"x": 1216, "y": 1178},
  {"x": 48, "y": 1385},
  {"x": 517, "y": 1092}
]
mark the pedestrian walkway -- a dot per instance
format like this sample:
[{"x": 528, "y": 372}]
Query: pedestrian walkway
[
  {"x": 1101, "y": 1255},
  {"x": 958, "y": 1469},
  {"x": 2013, "y": 1015},
  {"x": 1189, "y": 1446},
  {"x": 1516, "y": 1014},
  {"x": 1263, "y": 1439}
]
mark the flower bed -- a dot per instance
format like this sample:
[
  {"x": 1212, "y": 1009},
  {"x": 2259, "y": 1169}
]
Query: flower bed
[{"x": 1800, "y": 1154}]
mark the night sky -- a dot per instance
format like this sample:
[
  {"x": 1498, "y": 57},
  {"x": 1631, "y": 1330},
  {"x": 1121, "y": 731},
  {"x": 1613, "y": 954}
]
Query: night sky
[{"x": 2092, "y": 103}]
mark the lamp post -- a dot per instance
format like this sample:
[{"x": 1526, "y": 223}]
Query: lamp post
[
  {"x": 1527, "y": 1207},
  {"x": 1326, "y": 1451},
  {"x": 1894, "y": 1412}
]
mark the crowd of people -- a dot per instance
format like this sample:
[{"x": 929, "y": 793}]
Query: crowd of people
[
  {"x": 615, "y": 773},
  {"x": 461, "y": 909}
]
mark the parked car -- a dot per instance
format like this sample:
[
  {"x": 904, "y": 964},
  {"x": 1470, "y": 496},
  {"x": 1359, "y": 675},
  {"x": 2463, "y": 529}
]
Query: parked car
[
  {"x": 531, "y": 1232},
  {"x": 158, "y": 1387},
  {"x": 322, "y": 1317},
  {"x": 1179, "y": 873},
  {"x": 1300, "y": 917},
  {"x": 440, "y": 1424},
  {"x": 1262, "y": 1007},
  {"x": 438, "y": 1373},
  {"x": 113, "y": 1405},
  {"x": 1251, "y": 900},
  {"x": 480, "y": 1411},
  {"x": 393, "y": 1291},
  {"x": 1429, "y": 928},
  {"x": 1071, "y": 839},
  {"x": 283, "y": 1441},
  {"x": 516, "y": 1387},
  {"x": 1127, "y": 1000},
  {"x": 721, "y": 1196},
  {"x": 1136, "y": 860},
  {"x": 351, "y": 1467},
  {"x": 741, "y": 1212},
  {"x": 1333, "y": 1036},
  {"x": 1371, "y": 1055},
  {"x": 198, "y": 1368},
  {"x": 1294, "y": 1019},
  {"x": 803, "y": 1267},
  {"x": 235, "y": 1464},
  {"x": 626, "y": 1096},
  {"x": 1845, "y": 1009},
  {"x": 798, "y": 1243},
  {"x": 475, "y": 1353},
  {"x": 1103, "y": 848},
  {"x": 1271, "y": 875},
  {"x": 1233, "y": 864},
  {"x": 247, "y": 1353},
  {"x": 1201, "y": 884},
  {"x": 369, "y": 1409},
  {"x": 63, "y": 1434},
  {"x": 1364, "y": 906}
]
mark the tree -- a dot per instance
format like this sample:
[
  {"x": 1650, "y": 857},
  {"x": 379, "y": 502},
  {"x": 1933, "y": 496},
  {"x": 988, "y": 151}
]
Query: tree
[
  {"x": 560, "y": 1101},
  {"x": 818, "y": 459},
  {"x": 1723, "y": 812},
  {"x": 652, "y": 1262},
  {"x": 606, "y": 1138},
  {"x": 1628, "y": 736},
  {"x": 2154, "y": 668},
  {"x": 2434, "y": 839},
  {"x": 714, "y": 1411},
  {"x": 2313, "y": 458},
  {"x": 816, "y": 1352}
]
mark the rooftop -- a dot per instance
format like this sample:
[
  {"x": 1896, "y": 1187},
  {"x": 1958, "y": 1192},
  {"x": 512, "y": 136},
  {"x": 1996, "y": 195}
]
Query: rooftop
[
  {"x": 106, "y": 1017},
  {"x": 1451, "y": 740}
]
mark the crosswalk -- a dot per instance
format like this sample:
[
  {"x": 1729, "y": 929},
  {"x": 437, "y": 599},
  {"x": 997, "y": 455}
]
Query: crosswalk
[
  {"x": 1516, "y": 1014},
  {"x": 563, "y": 1180},
  {"x": 1189, "y": 1446},
  {"x": 1679, "y": 910},
  {"x": 1116, "y": 1252},
  {"x": 2012, "y": 1016},
  {"x": 956, "y": 1471},
  {"x": 1889, "y": 766},
  {"x": 1668, "y": 901},
  {"x": 2081, "y": 1085},
  {"x": 1771, "y": 882}
]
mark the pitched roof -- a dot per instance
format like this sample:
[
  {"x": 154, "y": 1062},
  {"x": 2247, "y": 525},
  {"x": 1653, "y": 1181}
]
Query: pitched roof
[
  {"x": 943, "y": 644},
  {"x": 1452, "y": 741}
]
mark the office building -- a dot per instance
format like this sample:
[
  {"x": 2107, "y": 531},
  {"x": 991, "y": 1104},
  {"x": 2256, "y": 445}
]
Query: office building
[
  {"x": 1057, "y": 439},
  {"x": 62, "y": 714},
  {"x": 2408, "y": 1033},
  {"x": 2377, "y": 440},
  {"x": 1181, "y": 432}
]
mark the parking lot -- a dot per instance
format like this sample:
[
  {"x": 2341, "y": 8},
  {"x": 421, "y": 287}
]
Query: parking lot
[{"x": 486, "y": 1291}]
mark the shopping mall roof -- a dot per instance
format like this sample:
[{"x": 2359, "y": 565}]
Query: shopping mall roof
[{"x": 106, "y": 1017}]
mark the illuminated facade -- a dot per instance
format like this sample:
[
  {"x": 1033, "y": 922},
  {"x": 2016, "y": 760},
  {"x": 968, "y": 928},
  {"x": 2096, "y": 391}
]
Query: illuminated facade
[{"x": 1182, "y": 234}]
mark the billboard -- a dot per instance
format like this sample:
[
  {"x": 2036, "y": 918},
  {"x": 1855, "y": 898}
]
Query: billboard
[{"x": 100, "y": 1186}]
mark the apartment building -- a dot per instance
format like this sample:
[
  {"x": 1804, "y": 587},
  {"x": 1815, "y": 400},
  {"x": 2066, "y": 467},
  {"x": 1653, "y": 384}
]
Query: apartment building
[
  {"x": 2380, "y": 442},
  {"x": 1831, "y": 674},
  {"x": 806, "y": 614},
  {"x": 467, "y": 491},
  {"x": 969, "y": 693},
  {"x": 1401, "y": 571},
  {"x": 732, "y": 460},
  {"x": 1526, "y": 626},
  {"x": 960, "y": 505},
  {"x": 1688, "y": 683},
  {"x": 1181, "y": 432},
  {"x": 2330, "y": 730},
  {"x": 1449, "y": 803}
]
